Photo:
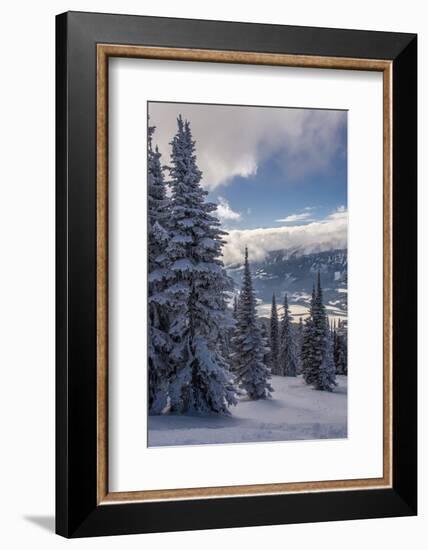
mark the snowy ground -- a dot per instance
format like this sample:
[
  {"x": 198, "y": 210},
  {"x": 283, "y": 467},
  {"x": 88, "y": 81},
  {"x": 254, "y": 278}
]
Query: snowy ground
[{"x": 296, "y": 411}]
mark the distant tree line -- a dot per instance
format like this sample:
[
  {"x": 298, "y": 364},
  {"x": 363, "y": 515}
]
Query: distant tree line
[{"x": 314, "y": 348}]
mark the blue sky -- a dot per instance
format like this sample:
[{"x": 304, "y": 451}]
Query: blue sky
[
  {"x": 279, "y": 175},
  {"x": 270, "y": 194}
]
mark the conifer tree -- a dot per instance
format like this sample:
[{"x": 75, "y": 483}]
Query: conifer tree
[
  {"x": 309, "y": 368},
  {"x": 323, "y": 363},
  {"x": 232, "y": 356},
  {"x": 265, "y": 343},
  {"x": 159, "y": 342},
  {"x": 249, "y": 349},
  {"x": 299, "y": 343},
  {"x": 340, "y": 350},
  {"x": 343, "y": 355},
  {"x": 274, "y": 338},
  {"x": 287, "y": 356},
  {"x": 317, "y": 347},
  {"x": 326, "y": 379},
  {"x": 197, "y": 284},
  {"x": 235, "y": 307},
  {"x": 335, "y": 347}
]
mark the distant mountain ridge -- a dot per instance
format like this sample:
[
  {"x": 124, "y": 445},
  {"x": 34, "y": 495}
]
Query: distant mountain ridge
[{"x": 294, "y": 272}]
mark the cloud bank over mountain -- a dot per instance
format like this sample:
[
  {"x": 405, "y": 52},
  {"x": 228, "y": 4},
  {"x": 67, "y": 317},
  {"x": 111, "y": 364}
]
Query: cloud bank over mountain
[{"x": 329, "y": 233}]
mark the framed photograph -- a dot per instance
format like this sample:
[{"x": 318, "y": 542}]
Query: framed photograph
[{"x": 236, "y": 274}]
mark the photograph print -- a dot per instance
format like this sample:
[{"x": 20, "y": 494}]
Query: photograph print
[{"x": 247, "y": 274}]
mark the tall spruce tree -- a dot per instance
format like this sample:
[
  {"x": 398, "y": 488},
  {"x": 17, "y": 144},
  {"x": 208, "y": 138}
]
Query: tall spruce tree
[
  {"x": 274, "y": 338},
  {"x": 323, "y": 363},
  {"x": 299, "y": 342},
  {"x": 309, "y": 368},
  {"x": 249, "y": 349},
  {"x": 287, "y": 356},
  {"x": 159, "y": 341},
  {"x": 197, "y": 284}
]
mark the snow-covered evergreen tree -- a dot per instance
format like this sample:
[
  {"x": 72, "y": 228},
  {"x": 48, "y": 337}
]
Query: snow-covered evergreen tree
[
  {"x": 335, "y": 347},
  {"x": 235, "y": 307},
  {"x": 299, "y": 342},
  {"x": 159, "y": 342},
  {"x": 265, "y": 342},
  {"x": 343, "y": 357},
  {"x": 309, "y": 368},
  {"x": 249, "y": 350},
  {"x": 340, "y": 352},
  {"x": 232, "y": 356},
  {"x": 225, "y": 340},
  {"x": 326, "y": 379},
  {"x": 317, "y": 347},
  {"x": 287, "y": 355},
  {"x": 323, "y": 363},
  {"x": 197, "y": 283},
  {"x": 274, "y": 338}
]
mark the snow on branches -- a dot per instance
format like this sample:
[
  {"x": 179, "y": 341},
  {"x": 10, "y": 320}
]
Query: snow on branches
[
  {"x": 249, "y": 345},
  {"x": 317, "y": 353},
  {"x": 196, "y": 286}
]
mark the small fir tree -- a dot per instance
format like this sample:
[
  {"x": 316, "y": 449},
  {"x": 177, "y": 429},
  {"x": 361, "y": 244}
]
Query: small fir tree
[
  {"x": 326, "y": 379},
  {"x": 249, "y": 350},
  {"x": 235, "y": 307},
  {"x": 274, "y": 338},
  {"x": 287, "y": 356},
  {"x": 299, "y": 342},
  {"x": 265, "y": 343},
  {"x": 317, "y": 349},
  {"x": 233, "y": 331},
  {"x": 309, "y": 370},
  {"x": 340, "y": 354},
  {"x": 324, "y": 369}
]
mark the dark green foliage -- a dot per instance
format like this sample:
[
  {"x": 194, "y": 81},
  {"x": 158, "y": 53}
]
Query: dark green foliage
[
  {"x": 287, "y": 356},
  {"x": 274, "y": 339},
  {"x": 317, "y": 349},
  {"x": 248, "y": 344}
]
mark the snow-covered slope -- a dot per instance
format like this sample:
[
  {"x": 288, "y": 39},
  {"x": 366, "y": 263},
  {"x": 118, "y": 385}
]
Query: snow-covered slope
[
  {"x": 296, "y": 411},
  {"x": 294, "y": 272}
]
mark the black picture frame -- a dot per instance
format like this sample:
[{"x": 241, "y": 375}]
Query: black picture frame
[{"x": 77, "y": 511}]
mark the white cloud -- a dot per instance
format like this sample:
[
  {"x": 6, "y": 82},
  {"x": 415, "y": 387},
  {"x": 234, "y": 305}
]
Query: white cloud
[
  {"x": 292, "y": 218},
  {"x": 326, "y": 234},
  {"x": 225, "y": 212},
  {"x": 341, "y": 213},
  {"x": 233, "y": 141}
]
